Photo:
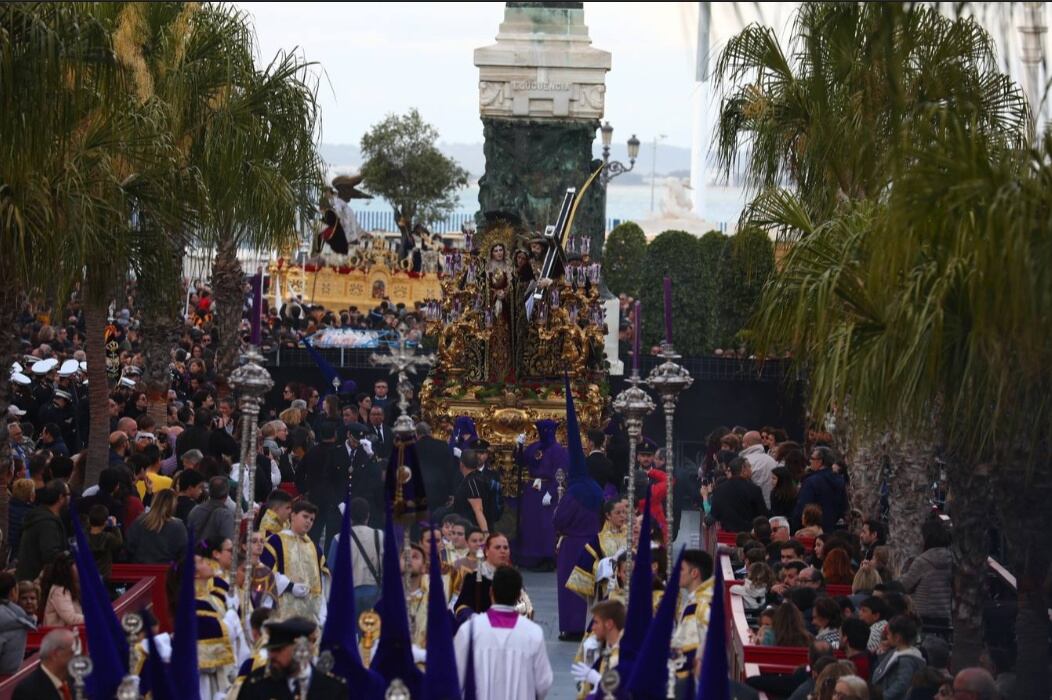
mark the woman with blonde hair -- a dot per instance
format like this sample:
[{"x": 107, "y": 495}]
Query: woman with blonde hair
[
  {"x": 865, "y": 580},
  {"x": 292, "y": 416},
  {"x": 828, "y": 680},
  {"x": 23, "y": 493},
  {"x": 158, "y": 537}
]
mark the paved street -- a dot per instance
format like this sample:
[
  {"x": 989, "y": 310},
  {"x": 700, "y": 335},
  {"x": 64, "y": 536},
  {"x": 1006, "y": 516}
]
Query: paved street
[{"x": 541, "y": 587}]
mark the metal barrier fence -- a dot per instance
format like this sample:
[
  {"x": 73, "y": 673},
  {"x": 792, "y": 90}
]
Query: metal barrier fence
[
  {"x": 707, "y": 368},
  {"x": 382, "y": 220}
]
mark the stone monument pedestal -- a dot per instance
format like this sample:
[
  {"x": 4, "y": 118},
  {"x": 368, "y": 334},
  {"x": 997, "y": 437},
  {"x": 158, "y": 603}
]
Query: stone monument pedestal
[{"x": 541, "y": 97}]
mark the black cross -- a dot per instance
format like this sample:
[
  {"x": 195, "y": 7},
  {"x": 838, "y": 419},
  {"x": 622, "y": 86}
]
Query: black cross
[{"x": 555, "y": 235}]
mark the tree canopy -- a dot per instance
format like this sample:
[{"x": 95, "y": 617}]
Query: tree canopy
[{"x": 404, "y": 166}]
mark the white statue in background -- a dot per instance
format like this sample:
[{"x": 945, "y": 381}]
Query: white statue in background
[{"x": 676, "y": 204}]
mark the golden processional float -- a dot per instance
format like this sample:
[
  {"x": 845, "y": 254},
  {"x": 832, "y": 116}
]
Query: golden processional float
[{"x": 517, "y": 311}]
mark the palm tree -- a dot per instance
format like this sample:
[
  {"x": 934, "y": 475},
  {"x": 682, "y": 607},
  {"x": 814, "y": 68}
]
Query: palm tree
[
  {"x": 828, "y": 117},
  {"x": 261, "y": 171},
  {"x": 88, "y": 180},
  {"x": 190, "y": 56},
  {"x": 833, "y": 134},
  {"x": 931, "y": 307},
  {"x": 823, "y": 128}
]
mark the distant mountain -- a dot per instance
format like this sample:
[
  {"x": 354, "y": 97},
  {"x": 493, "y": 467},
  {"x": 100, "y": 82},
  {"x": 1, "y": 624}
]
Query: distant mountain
[{"x": 670, "y": 159}]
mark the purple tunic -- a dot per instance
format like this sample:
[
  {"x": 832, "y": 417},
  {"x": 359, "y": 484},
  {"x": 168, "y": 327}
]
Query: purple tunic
[
  {"x": 576, "y": 526},
  {"x": 536, "y": 540}
]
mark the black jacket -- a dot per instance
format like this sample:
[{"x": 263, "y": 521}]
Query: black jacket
[
  {"x": 602, "y": 470},
  {"x": 826, "y": 488},
  {"x": 261, "y": 685},
  {"x": 735, "y": 503},
  {"x": 382, "y": 448},
  {"x": 193, "y": 438},
  {"x": 322, "y": 472},
  {"x": 366, "y": 476},
  {"x": 43, "y": 539},
  {"x": 440, "y": 472},
  {"x": 36, "y": 686}
]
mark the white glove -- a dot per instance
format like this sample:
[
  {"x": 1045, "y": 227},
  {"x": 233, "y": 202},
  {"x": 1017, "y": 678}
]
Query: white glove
[
  {"x": 300, "y": 590},
  {"x": 536, "y": 484},
  {"x": 583, "y": 672},
  {"x": 457, "y": 452},
  {"x": 419, "y": 655},
  {"x": 547, "y": 500},
  {"x": 367, "y": 446},
  {"x": 590, "y": 644},
  {"x": 521, "y": 439},
  {"x": 605, "y": 569}
]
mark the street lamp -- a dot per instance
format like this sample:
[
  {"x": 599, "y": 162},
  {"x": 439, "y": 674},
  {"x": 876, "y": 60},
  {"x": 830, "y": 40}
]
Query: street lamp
[{"x": 615, "y": 168}]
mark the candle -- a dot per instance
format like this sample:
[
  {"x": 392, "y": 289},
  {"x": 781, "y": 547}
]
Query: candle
[
  {"x": 668, "y": 309},
  {"x": 256, "y": 319},
  {"x": 635, "y": 336}
]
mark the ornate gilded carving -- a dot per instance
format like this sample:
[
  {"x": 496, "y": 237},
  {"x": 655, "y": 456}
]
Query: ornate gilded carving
[
  {"x": 367, "y": 274},
  {"x": 501, "y": 417}
]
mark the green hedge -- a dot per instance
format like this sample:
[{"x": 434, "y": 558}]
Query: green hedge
[
  {"x": 623, "y": 259},
  {"x": 746, "y": 265},
  {"x": 677, "y": 254},
  {"x": 716, "y": 282}
]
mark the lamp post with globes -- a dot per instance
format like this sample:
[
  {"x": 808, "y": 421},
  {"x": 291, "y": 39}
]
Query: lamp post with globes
[{"x": 615, "y": 168}]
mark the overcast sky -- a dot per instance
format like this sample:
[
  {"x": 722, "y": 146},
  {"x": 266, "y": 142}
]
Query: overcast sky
[{"x": 378, "y": 58}]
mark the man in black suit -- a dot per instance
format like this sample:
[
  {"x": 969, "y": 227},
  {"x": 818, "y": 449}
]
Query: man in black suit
[
  {"x": 737, "y": 500},
  {"x": 323, "y": 477},
  {"x": 50, "y": 680},
  {"x": 381, "y": 436},
  {"x": 356, "y": 458},
  {"x": 282, "y": 678},
  {"x": 197, "y": 437},
  {"x": 441, "y": 475},
  {"x": 599, "y": 465}
]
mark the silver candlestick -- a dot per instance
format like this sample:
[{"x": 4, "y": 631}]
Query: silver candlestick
[
  {"x": 252, "y": 381},
  {"x": 669, "y": 380},
  {"x": 403, "y": 361},
  {"x": 80, "y": 667},
  {"x": 132, "y": 625},
  {"x": 634, "y": 404},
  {"x": 302, "y": 655},
  {"x": 397, "y": 690}
]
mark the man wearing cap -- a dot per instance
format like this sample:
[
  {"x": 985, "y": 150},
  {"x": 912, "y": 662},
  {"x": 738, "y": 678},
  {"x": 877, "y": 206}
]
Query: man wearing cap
[
  {"x": 60, "y": 412},
  {"x": 282, "y": 676},
  {"x": 22, "y": 393},
  {"x": 43, "y": 381},
  {"x": 364, "y": 472}
]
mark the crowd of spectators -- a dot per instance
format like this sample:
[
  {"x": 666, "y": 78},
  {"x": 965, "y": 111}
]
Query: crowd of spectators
[{"x": 814, "y": 574}]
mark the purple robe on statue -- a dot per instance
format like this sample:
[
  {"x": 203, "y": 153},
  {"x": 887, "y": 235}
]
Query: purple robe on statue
[
  {"x": 541, "y": 459},
  {"x": 575, "y": 526}
]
